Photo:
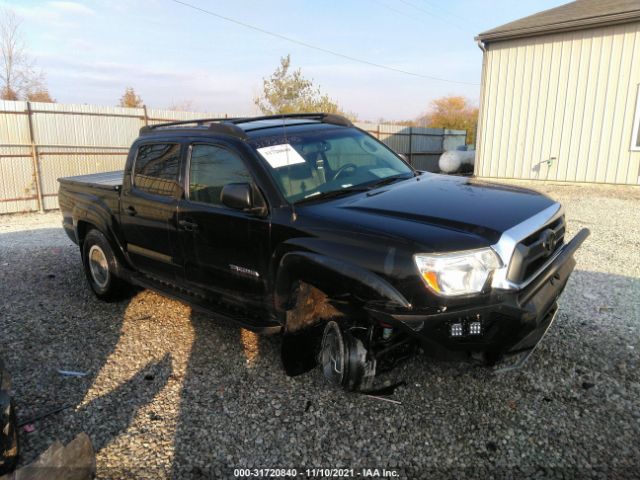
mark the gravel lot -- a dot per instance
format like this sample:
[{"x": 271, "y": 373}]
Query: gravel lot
[{"x": 171, "y": 394}]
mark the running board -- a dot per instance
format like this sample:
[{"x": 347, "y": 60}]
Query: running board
[{"x": 204, "y": 305}]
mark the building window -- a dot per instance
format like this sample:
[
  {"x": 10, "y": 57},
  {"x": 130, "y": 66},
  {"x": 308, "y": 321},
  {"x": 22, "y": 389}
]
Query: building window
[{"x": 635, "y": 139}]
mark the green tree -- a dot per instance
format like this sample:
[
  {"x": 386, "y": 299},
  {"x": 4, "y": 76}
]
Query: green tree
[
  {"x": 453, "y": 112},
  {"x": 130, "y": 99},
  {"x": 287, "y": 91}
]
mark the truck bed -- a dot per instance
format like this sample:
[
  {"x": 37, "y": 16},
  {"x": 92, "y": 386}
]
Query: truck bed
[
  {"x": 98, "y": 193},
  {"x": 106, "y": 180}
]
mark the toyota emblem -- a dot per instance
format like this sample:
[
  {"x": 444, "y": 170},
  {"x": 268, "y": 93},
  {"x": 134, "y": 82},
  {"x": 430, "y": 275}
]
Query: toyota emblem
[{"x": 549, "y": 241}]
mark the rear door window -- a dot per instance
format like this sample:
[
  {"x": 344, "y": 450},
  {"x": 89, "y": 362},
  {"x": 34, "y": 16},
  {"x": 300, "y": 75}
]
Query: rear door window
[{"x": 157, "y": 169}]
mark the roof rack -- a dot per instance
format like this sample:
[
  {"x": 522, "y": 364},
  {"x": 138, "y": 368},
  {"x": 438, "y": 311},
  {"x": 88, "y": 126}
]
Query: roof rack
[
  {"x": 322, "y": 117},
  {"x": 217, "y": 125},
  {"x": 228, "y": 126}
]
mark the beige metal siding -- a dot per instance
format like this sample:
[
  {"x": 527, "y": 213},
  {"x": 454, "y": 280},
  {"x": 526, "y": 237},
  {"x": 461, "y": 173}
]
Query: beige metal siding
[
  {"x": 68, "y": 140},
  {"x": 561, "y": 107}
]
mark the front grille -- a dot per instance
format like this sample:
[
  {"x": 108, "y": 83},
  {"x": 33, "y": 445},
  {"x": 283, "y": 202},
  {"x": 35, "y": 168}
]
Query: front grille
[{"x": 532, "y": 252}]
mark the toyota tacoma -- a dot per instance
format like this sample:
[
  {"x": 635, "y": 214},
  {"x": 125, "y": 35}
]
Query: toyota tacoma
[{"x": 307, "y": 226}]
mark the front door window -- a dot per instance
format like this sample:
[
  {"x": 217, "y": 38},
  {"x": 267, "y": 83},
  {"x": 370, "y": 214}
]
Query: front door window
[{"x": 212, "y": 168}]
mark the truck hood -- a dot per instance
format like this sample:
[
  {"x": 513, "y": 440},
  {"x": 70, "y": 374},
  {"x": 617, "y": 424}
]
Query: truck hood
[{"x": 440, "y": 203}]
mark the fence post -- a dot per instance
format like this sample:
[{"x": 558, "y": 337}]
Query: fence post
[
  {"x": 36, "y": 161},
  {"x": 146, "y": 117},
  {"x": 411, "y": 146},
  {"x": 443, "y": 139}
]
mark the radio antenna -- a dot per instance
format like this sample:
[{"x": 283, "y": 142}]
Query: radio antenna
[{"x": 294, "y": 215}]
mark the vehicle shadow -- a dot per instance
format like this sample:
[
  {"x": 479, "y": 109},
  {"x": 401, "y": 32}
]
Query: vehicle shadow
[
  {"x": 225, "y": 396},
  {"x": 146, "y": 373},
  {"x": 51, "y": 322}
]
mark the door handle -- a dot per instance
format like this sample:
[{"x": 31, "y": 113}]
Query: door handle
[
  {"x": 131, "y": 211},
  {"x": 188, "y": 226}
]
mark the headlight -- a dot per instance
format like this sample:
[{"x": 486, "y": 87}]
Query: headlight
[{"x": 457, "y": 273}]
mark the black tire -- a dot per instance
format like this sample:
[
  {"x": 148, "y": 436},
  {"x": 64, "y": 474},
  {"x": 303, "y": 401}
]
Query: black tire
[{"x": 101, "y": 267}]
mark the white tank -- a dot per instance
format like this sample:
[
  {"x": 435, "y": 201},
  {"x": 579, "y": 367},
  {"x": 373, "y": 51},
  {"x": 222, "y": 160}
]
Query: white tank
[{"x": 451, "y": 161}]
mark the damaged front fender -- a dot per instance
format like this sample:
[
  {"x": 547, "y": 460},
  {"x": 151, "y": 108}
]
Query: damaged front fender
[
  {"x": 307, "y": 289},
  {"x": 334, "y": 277}
]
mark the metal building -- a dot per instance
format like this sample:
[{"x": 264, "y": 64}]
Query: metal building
[{"x": 560, "y": 96}]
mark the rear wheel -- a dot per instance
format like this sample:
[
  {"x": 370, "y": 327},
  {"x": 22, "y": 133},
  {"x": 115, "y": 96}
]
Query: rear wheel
[{"x": 102, "y": 268}]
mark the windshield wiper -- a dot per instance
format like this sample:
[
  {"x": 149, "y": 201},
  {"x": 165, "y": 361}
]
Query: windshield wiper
[
  {"x": 353, "y": 189},
  {"x": 332, "y": 194},
  {"x": 386, "y": 181}
]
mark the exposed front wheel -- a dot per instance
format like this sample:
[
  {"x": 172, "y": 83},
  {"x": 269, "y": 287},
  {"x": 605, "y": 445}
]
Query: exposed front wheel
[
  {"x": 101, "y": 267},
  {"x": 344, "y": 359}
]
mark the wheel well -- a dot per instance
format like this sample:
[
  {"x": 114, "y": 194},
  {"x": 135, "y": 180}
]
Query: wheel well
[
  {"x": 309, "y": 306},
  {"x": 83, "y": 228},
  {"x": 341, "y": 281}
]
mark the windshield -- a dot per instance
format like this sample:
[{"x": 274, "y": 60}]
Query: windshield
[{"x": 308, "y": 165}]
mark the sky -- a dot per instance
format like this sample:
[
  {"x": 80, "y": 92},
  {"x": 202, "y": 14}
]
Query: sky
[{"x": 172, "y": 54}]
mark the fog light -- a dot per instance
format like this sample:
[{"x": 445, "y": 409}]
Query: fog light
[
  {"x": 456, "y": 330},
  {"x": 475, "y": 328}
]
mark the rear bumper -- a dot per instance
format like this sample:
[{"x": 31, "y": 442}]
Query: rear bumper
[{"x": 511, "y": 321}]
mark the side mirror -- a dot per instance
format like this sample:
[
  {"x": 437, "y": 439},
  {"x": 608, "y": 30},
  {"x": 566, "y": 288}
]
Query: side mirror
[{"x": 237, "y": 196}]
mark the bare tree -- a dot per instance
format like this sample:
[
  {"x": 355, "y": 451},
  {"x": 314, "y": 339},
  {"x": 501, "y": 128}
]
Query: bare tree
[
  {"x": 18, "y": 76},
  {"x": 183, "y": 106}
]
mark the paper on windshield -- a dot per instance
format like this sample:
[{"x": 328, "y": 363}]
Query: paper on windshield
[{"x": 281, "y": 155}]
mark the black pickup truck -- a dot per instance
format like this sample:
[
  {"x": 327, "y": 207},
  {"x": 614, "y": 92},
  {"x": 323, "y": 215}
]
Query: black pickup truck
[{"x": 308, "y": 226}]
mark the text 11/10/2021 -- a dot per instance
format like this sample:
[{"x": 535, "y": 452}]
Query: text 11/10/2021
[{"x": 316, "y": 473}]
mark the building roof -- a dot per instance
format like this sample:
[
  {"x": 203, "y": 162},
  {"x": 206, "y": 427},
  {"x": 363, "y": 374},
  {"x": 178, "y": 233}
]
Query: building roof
[{"x": 576, "y": 15}]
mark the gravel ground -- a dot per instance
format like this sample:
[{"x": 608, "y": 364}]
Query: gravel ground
[{"x": 171, "y": 394}]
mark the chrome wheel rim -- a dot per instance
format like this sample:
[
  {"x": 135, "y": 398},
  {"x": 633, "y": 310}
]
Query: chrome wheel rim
[{"x": 98, "y": 266}]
